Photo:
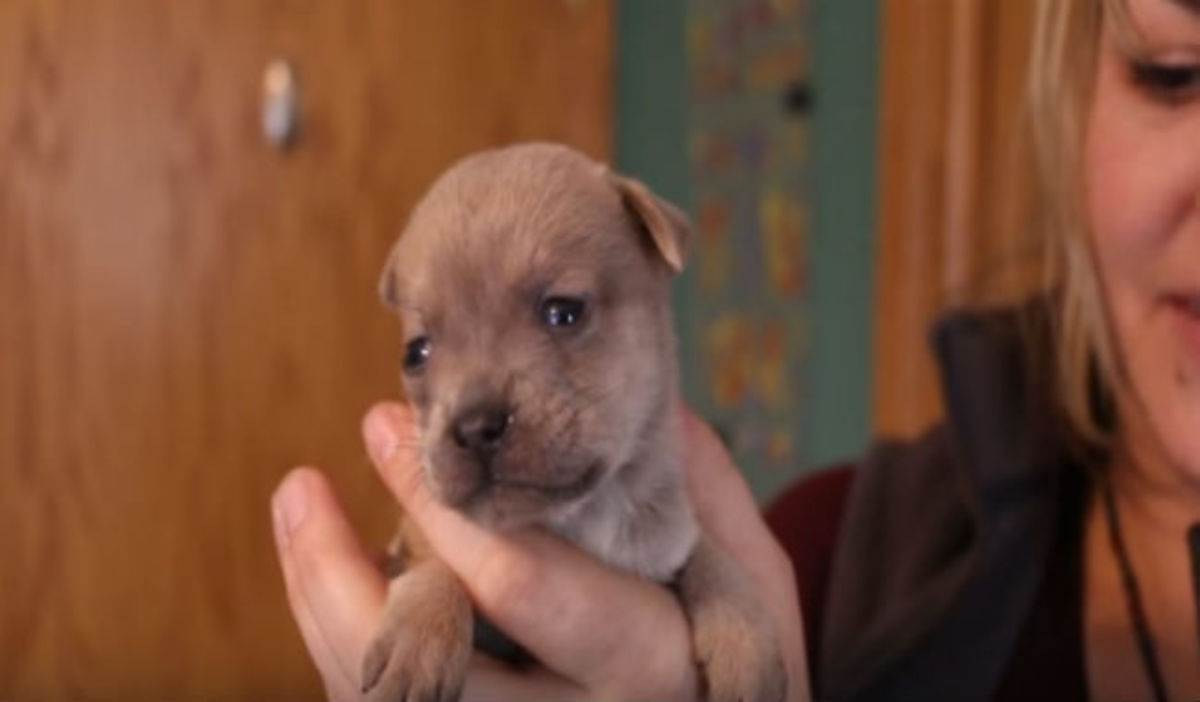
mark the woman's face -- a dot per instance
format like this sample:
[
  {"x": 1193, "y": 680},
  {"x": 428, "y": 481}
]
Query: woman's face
[{"x": 1142, "y": 177}]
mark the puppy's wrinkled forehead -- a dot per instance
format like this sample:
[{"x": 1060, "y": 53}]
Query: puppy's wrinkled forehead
[{"x": 514, "y": 218}]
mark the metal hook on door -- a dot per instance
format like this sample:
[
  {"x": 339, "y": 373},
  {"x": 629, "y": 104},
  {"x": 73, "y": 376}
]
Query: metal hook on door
[{"x": 281, "y": 104}]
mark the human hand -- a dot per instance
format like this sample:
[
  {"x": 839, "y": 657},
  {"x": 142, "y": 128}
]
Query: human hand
[{"x": 637, "y": 643}]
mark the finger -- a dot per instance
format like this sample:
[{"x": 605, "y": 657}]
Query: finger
[
  {"x": 561, "y": 604},
  {"x": 490, "y": 681},
  {"x": 730, "y": 515},
  {"x": 333, "y": 588},
  {"x": 541, "y": 591},
  {"x": 723, "y": 501},
  {"x": 337, "y": 685},
  {"x": 289, "y": 503},
  {"x": 391, "y": 437}
]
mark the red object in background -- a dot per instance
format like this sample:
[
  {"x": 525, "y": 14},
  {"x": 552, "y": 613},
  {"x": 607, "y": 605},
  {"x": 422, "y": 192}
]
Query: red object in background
[{"x": 806, "y": 519}]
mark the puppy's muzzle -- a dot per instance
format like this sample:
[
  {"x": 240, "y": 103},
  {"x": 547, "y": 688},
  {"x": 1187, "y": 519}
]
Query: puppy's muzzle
[{"x": 481, "y": 429}]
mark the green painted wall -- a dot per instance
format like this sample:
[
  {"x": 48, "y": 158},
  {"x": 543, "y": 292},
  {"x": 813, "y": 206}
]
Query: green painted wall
[
  {"x": 651, "y": 143},
  {"x": 846, "y": 66}
]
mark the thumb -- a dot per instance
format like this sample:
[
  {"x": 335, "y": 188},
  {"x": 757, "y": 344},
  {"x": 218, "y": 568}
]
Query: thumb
[{"x": 334, "y": 590}]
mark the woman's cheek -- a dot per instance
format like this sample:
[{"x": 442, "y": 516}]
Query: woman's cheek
[{"x": 1142, "y": 195}]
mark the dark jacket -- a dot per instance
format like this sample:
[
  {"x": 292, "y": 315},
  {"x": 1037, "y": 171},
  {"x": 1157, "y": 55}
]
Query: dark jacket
[{"x": 943, "y": 544}]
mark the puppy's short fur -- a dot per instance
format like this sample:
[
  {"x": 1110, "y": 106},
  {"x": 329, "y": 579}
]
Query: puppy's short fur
[{"x": 532, "y": 284}]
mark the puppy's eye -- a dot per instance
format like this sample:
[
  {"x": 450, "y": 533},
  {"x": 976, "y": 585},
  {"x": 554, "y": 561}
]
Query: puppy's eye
[
  {"x": 416, "y": 353},
  {"x": 562, "y": 311}
]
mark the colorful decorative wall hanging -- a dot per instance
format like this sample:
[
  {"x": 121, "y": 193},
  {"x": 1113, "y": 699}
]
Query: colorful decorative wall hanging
[{"x": 748, "y": 73}]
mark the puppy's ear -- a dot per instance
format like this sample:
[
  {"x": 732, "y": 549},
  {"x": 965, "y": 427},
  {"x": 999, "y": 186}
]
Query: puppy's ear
[
  {"x": 667, "y": 225},
  {"x": 389, "y": 286}
]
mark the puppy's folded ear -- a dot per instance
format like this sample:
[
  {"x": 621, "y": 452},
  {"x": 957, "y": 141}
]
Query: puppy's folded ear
[
  {"x": 667, "y": 225},
  {"x": 389, "y": 288}
]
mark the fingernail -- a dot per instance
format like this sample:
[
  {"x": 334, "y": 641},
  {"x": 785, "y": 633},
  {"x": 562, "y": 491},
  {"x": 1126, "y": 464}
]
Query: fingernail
[
  {"x": 288, "y": 507},
  {"x": 381, "y": 434}
]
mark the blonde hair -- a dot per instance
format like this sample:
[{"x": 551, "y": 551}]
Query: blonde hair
[{"x": 1062, "y": 72}]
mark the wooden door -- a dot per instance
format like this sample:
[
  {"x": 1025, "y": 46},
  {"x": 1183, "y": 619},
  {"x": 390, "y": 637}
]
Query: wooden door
[
  {"x": 954, "y": 176},
  {"x": 186, "y": 312}
]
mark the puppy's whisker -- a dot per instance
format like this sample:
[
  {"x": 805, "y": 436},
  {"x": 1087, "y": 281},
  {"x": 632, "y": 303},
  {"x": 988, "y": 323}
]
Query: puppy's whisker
[
  {"x": 401, "y": 444},
  {"x": 406, "y": 442},
  {"x": 395, "y": 448}
]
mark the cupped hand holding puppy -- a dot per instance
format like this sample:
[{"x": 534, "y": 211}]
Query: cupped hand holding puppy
[{"x": 599, "y": 634}]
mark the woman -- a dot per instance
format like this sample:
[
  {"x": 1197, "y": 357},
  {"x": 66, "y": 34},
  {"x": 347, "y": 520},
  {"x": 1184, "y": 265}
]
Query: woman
[{"x": 1034, "y": 546}]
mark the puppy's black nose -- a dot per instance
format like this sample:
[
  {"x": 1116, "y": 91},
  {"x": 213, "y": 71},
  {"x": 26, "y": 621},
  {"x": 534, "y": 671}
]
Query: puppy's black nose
[{"x": 481, "y": 429}]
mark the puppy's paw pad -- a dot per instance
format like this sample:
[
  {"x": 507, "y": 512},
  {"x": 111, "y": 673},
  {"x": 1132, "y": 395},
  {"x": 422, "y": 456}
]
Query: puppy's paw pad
[
  {"x": 738, "y": 655},
  {"x": 402, "y": 665}
]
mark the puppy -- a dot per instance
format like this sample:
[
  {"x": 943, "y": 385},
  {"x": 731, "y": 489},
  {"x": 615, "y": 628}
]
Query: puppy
[{"x": 532, "y": 285}]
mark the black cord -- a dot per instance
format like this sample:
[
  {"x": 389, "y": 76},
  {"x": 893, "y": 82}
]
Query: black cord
[
  {"x": 1133, "y": 598},
  {"x": 1194, "y": 549}
]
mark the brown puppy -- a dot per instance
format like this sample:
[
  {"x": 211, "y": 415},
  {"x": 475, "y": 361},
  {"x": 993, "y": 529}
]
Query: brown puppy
[{"x": 532, "y": 284}]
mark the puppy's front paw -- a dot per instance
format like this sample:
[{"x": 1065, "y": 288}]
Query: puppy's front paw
[
  {"x": 421, "y": 651},
  {"x": 737, "y": 653}
]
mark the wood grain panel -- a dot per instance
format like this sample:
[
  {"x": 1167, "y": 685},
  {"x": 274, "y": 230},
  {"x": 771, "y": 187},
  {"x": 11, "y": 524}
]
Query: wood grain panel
[
  {"x": 954, "y": 178},
  {"x": 913, "y": 128},
  {"x": 185, "y": 313}
]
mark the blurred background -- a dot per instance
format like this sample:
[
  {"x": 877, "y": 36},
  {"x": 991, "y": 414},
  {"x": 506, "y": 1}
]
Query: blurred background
[{"x": 196, "y": 198}]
